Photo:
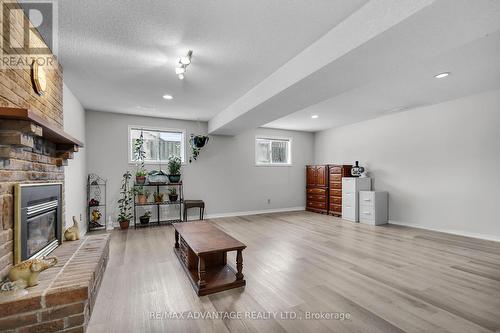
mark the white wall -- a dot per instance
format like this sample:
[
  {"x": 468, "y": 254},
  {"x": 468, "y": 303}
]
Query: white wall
[
  {"x": 225, "y": 175},
  {"x": 440, "y": 164},
  {"x": 75, "y": 174}
]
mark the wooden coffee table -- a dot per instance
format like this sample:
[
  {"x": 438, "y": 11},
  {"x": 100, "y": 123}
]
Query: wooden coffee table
[{"x": 202, "y": 250}]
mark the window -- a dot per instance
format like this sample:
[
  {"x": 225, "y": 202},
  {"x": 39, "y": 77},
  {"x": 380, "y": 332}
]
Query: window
[
  {"x": 273, "y": 151},
  {"x": 159, "y": 143}
]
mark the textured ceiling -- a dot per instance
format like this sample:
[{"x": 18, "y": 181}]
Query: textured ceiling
[
  {"x": 274, "y": 63},
  {"x": 120, "y": 55}
]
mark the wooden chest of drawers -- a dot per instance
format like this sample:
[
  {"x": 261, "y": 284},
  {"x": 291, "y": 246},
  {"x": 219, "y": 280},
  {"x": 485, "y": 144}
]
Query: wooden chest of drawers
[
  {"x": 335, "y": 175},
  {"x": 317, "y": 188},
  {"x": 324, "y": 188}
]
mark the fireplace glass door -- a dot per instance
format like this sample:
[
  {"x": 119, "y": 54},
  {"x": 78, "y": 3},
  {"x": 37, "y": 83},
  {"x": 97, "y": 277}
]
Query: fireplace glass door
[
  {"x": 37, "y": 221},
  {"x": 41, "y": 231}
]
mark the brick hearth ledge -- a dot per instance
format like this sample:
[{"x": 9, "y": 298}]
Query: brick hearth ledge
[{"x": 65, "y": 296}]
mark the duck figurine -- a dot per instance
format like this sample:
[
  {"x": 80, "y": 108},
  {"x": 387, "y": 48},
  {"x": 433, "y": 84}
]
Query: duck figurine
[{"x": 72, "y": 233}]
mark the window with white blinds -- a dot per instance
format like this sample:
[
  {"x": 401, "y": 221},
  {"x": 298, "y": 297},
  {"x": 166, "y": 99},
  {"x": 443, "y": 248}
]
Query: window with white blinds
[{"x": 271, "y": 151}]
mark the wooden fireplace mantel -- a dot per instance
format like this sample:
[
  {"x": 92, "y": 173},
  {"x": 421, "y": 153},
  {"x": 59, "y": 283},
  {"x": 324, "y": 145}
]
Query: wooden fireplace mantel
[
  {"x": 18, "y": 126},
  {"x": 49, "y": 131}
]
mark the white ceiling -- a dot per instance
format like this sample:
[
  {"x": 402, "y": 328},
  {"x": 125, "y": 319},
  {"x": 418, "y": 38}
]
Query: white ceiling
[
  {"x": 274, "y": 63},
  {"x": 120, "y": 55},
  {"x": 395, "y": 72}
]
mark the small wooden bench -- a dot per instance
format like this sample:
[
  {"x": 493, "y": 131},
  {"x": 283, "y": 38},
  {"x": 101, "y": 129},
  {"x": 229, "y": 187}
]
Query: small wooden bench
[{"x": 194, "y": 204}]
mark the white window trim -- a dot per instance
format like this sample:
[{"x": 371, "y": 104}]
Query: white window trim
[
  {"x": 152, "y": 128},
  {"x": 265, "y": 137}
]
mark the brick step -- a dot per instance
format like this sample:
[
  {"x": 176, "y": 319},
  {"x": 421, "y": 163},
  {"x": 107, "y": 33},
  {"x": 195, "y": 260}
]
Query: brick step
[{"x": 63, "y": 300}]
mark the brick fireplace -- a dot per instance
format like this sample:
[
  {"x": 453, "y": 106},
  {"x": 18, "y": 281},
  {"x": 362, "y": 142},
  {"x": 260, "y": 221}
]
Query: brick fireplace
[
  {"x": 33, "y": 150},
  {"x": 24, "y": 164}
]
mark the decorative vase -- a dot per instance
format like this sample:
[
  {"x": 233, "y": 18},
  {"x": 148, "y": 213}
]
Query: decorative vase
[
  {"x": 357, "y": 170},
  {"x": 142, "y": 199},
  {"x": 174, "y": 178},
  {"x": 158, "y": 197},
  {"x": 144, "y": 219},
  {"x": 140, "y": 180},
  {"x": 124, "y": 224},
  {"x": 93, "y": 203},
  {"x": 173, "y": 197}
]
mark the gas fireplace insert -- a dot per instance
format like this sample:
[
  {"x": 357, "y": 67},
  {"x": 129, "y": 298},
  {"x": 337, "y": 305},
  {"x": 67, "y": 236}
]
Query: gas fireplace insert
[{"x": 38, "y": 220}]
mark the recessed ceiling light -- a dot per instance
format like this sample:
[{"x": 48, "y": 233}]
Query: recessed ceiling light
[
  {"x": 442, "y": 75},
  {"x": 168, "y": 96},
  {"x": 314, "y": 116},
  {"x": 181, "y": 76}
]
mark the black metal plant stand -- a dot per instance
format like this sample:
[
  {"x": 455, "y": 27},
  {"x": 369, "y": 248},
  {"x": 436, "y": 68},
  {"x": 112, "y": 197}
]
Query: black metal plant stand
[
  {"x": 96, "y": 201},
  {"x": 165, "y": 202}
]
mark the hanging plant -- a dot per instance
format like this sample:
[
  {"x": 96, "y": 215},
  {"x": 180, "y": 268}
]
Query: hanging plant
[
  {"x": 196, "y": 142},
  {"x": 140, "y": 155}
]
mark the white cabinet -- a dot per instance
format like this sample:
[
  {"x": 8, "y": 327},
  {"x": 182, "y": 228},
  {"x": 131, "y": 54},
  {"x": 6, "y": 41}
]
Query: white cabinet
[
  {"x": 350, "y": 198},
  {"x": 373, "y": 207}
]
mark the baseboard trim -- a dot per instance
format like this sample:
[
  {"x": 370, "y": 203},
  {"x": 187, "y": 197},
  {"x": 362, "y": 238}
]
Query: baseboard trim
[
  {"x": 255, "y": 212},
  {"x": 232, "y": 214},
  {"x": 448, "y": 231}
]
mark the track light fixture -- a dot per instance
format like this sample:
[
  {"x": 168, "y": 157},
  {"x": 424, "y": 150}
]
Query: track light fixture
[
  {"x": 180, "y": 70},
  {"x": 184, "y": 62}
]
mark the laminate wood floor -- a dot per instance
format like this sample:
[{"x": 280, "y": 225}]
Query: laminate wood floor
[{"x": 298, "y": 264}]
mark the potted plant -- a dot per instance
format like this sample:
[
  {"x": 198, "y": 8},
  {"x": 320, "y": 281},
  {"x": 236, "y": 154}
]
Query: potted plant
[
  {"x": 140, "y": 177},
  {"x": 142, "y": 194},
  {"x": 174, "y": 169},
  {"x": 196, "y": 142},
  {"x": 145, "y": 217},
  {"x": 158, "y": 197},
  {"x": 172, "y": 194},
  {"x": 124, "y": 203},
  {"x": 140, "y": 155}
]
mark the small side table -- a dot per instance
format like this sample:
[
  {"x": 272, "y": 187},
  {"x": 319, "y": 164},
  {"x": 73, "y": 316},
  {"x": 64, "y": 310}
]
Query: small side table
[{"x": 194, "y": 204}]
